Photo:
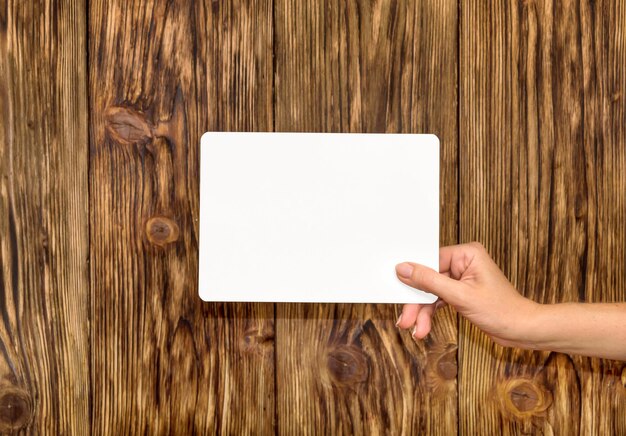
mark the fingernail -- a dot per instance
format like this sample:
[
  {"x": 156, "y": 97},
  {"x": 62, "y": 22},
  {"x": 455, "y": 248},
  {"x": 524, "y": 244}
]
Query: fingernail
[
  {"x": 404, "y": 270},
  {"x": 413, "y": 333},
  {"x": 398, "y": 321}
]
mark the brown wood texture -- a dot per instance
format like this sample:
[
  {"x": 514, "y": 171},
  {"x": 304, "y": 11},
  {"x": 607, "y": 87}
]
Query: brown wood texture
[
  {"x": 102, "y": 105},
  {"x": 44, "y": 306},
  {"x": 542, "y": 158},
  {"x": 360, "y": 66},
  {"x": 161, "y": 74}
]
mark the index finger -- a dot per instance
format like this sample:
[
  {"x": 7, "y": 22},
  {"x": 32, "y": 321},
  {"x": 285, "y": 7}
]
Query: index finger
[{"x": 452, "y": 255}]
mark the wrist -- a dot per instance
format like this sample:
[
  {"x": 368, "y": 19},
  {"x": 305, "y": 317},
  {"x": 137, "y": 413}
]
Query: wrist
[
  {"x": 531, "y": 334},
  {"x": 550, "y": 327}
]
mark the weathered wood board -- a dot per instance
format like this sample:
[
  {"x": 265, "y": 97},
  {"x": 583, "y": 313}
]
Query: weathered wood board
[{"x": 102, "y": 106}]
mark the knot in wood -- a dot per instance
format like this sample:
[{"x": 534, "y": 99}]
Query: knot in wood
[
  {"x": 161, "y": 230},
  {"x": 523, "y": 398},
  {"x": 15, "y": 409},
  {"x": 347, "y": 366},
  {"x": 127, "y": 126},
  {"x": 447, "y": 365},
  {"x": 580, "y": 206},
  {"x": 258, "y": 338},
  {"x": 441, "y": 368}
]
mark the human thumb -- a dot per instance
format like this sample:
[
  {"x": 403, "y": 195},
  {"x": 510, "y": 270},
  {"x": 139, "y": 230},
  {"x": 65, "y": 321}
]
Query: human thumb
[{"x": 428, "y": 280}]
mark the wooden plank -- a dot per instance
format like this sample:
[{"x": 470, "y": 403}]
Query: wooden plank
[
  {"x": 360, "y": 66},
  {"x": 161, "y": 74},
  {"x": 44, "y": 373},
  {"x": 542, "y": 152}
]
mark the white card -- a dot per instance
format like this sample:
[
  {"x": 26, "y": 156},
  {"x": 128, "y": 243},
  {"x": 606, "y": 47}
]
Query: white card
[{"x": 304, "y": 217}]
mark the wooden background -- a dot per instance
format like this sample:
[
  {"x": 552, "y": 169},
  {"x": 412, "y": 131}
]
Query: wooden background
[{"x": 102, "y": 106}]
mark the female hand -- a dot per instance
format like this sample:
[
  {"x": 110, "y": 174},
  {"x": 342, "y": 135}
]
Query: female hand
[{"x": 471, "y": 282}]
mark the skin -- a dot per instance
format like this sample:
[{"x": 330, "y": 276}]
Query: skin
[{"x": 471, "y": 282}]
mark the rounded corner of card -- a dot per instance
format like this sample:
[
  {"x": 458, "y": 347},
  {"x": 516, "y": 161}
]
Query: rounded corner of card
[
  {"x": 434, "y": 139},
  {"x": 202, "y": 291},
  {"x": 203, "y": 296},
  {"x": 211, "y": 139},
  {"x": 428, "y": 298},
  {"x": 204, "y": 139},
  {"x": 421, "y": 297}
]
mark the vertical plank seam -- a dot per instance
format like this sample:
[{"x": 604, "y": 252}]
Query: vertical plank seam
[
  {"x": 90, "y": 385},
  {"x": 584, "y": 272},
  {"x": 276, "y": 415},
  {"x": 273, "y": 6},
  {"x": 459, "y": 17},
  {"x": 275, "y": 376}
]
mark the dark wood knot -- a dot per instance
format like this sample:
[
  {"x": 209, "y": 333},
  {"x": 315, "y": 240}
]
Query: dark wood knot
[
  {"x": 127, "y": 126},
  {"x": 441, "y": 368},
  {"x": 259, "y": 337},
  {"x": 161, "y": 230},
  {"x": 347, "y": 366},
  {"x": 580, "y": 206},
  {"x": 44, "y": 241},
  {"x": 524, "y": 397},
  {"x": 617, "y": 95},
  {"x": 447, "y": 365},
  {"x": 16, "y": 409}
]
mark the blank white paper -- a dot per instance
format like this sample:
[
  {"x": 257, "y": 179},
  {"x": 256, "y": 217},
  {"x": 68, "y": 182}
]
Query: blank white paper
[{"x": 303, "y": 217}]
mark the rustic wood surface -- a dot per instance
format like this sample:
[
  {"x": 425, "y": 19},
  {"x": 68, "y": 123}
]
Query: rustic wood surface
[
  {"x": 103, "y": 104},
  {"x": 542, "y": 157},
  {"x": 162, "y": 360},
  {"x": 44, "y": 221},
  {"x": 347, "y": 66}
]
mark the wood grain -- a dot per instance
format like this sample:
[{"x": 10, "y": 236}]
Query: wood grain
[
  {"x": 542, "y": 152},
  {"x": 361, "y": 66},
  {"x": 161, "y": 74},
  {"x": 44, "y": 344},
  {"x": 102, "y": 108}
]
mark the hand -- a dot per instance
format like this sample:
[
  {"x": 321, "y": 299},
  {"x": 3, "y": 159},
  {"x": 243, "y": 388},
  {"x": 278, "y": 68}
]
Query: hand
[{"x": 471, "y": 282}]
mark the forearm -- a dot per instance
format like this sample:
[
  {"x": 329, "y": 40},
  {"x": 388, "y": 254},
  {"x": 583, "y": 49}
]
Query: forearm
[{"x": 589, "y": 329}]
